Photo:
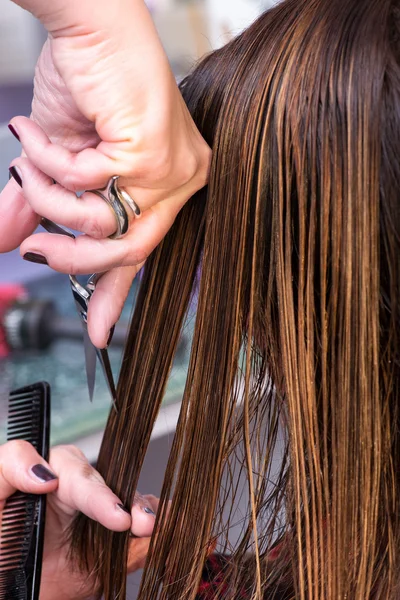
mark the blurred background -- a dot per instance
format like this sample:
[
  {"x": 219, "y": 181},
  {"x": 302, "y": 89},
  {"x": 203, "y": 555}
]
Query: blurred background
[{"x": 40, "y": 334}]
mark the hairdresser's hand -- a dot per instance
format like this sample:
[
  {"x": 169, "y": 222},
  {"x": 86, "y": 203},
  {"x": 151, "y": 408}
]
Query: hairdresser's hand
[
  {"x": 105, "y": 103},
  {"x": 72, "y": 485}
]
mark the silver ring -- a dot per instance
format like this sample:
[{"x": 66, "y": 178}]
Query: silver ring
[{"x": 118, "y": 200}]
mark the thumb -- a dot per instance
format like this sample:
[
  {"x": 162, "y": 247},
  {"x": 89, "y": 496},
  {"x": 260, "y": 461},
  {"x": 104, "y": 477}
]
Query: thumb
[{"x": 22, "y": 468}]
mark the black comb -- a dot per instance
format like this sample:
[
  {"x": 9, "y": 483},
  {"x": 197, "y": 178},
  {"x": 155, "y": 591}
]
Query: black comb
[{"x": 22, "y": 528}]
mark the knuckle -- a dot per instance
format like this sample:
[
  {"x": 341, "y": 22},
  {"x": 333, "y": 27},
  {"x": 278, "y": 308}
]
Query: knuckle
[
  {"x": 69, "y": 261},
  {"x": 68, "y": 179},
  {"x": 86, "y": 470},
  {"x": 17, "y": 447},
  {"x": 163, "y": 168},
  {"x": 70, "y": 450},
  {"x": 89, "y": 472},
  {"x": 92, "y": 227},
  {"x": 187, "y": 170},
  {"x": 133, "y": 256},
  {"x": 154, "y": 167}
]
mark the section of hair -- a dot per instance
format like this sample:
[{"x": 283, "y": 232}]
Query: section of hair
[{"x": 296, "y": 336}]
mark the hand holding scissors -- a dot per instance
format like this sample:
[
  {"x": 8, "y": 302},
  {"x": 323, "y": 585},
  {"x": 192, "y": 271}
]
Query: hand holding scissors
[{"x": 121, "y": 203}]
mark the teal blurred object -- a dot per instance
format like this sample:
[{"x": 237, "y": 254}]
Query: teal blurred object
[{"x": 63, "y": 366}]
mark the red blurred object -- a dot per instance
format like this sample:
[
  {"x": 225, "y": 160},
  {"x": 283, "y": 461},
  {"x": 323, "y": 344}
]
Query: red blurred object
[{"x": 8, "y": 295}]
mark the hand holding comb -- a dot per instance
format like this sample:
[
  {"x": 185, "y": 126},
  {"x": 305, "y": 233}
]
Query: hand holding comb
[{"x": 23, "y": 519}]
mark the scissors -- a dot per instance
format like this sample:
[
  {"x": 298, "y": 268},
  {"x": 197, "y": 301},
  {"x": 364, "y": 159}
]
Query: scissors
[{"x": 82, "y": 295}]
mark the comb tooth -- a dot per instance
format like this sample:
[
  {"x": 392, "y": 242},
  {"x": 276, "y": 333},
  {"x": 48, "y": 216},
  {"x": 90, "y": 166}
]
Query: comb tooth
[
  {"x": 15, "y": 501},
  {"x": 28, "y": 404},
  {"x": 22, "y": 433},
  {"x": 17, "y": 556},
  {"x": 16, "y": 553},
  {"x": 20, "y": 409},
  {"x": 24, "y": 405},
  {"x": 27, "y": 417},
  {"x": 8, "y": 538},
  {"x": 28, "y": 428},
  {"x": 27, "y": 395},
  {"x": 14, "y": 523},
  {"x": 13, "y": 588},
  {"x": 17, "y": 505},
  {"x": 12, "y": 517},
  {"x": 11, "y": 550},
  {"x": 14, "y": 527},
  {"x": 22, "y": 418},
  {"x": 17, "y": 548},
  {"x": 10, "y": 535}
]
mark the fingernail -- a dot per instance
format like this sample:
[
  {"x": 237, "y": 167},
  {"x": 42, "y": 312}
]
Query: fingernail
[
  {"x": 43, "y": 473},
  {"x": 35, "y": 258},
  {"x": 13, "y": 131},
  {"x": 122, "y": 507},
  {"x": 110, "y": 336},
  {"x": 149, "y": 511},
  {"x": 16, "y": 174}
]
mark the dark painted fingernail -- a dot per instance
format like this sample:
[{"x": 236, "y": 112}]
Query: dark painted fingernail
[
  {"x": 35, "y": 258},
  {"x": 14, "y": 131},
  {"x": 122, "y": 507},
  {"x": 43, "y": 473},
  {"x": 16, "y": 174},
  {"x": 149, "y": 511},
  {"x": 110, "y": 337}
]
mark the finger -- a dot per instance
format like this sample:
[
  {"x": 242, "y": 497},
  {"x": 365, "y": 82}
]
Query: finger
[
  {"x": 139, "y": 546},
  {"x": 22, "y": 468},
  {"x": 17, "y": 218},
  {"x": 107, "y": 302},
  {"x": 88, "y": 169},
  {"x": 137, "y": 553},
  {"x": 85, "y": 254},
  {"x": 143, "y": 516},
  {"x": 88, "y": 213},
  {"x": 81, "y": 488},
  {"x": 149, "y": 178}
]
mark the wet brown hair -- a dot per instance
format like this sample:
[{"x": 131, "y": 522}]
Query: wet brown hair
[{"x": 294, "y": 250}]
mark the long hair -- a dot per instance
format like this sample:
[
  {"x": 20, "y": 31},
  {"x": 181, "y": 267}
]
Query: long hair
[{"x": 293, "y": 256}]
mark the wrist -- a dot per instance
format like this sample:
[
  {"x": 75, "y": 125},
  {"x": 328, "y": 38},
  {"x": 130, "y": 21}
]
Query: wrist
[
  {"x": 94, "y": 17},
  {"x": 74, "y": 17}
]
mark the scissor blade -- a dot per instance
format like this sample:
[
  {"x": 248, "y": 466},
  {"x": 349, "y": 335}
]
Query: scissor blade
[
  {"x": 90, "y": 362},
  {"x": 108, "y": 374},
  {"x": 52, "y": 227}
]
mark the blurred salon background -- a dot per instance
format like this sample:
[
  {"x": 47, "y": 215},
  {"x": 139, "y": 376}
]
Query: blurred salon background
[{"x": 40, "y": 333}]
